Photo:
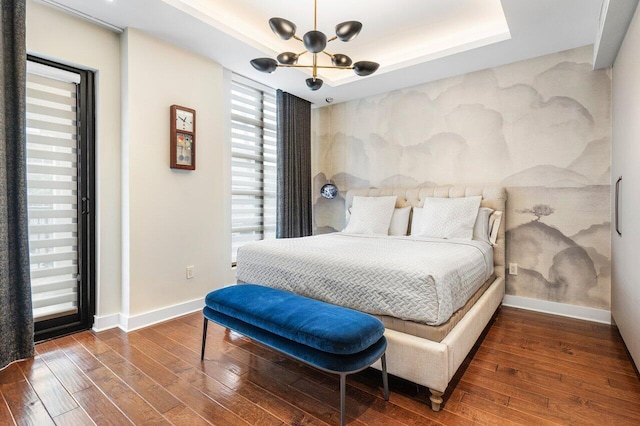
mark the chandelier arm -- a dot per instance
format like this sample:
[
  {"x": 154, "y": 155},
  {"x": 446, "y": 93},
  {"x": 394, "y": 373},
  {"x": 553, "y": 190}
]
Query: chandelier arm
[
  {"x": 315, "y": 14},
  {"x": 333, "y": 67},
  {"x": 317, "y": 66},
  {"x": 329, "y": 40},
  {"x": 327, "y": 53},
  {"x": 297, "y": 38},
  {"x": 302, "y": 53}
]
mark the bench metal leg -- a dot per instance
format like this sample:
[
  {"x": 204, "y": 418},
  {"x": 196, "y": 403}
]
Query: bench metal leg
[
  {"x": 385, "y": 379},
  {"x": 204, "y": 337},
  {"x": 343, "y": 385}
]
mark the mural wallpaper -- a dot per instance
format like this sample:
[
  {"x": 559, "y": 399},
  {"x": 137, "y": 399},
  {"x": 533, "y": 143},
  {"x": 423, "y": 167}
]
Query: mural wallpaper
[{"x": 541, "y": 128}]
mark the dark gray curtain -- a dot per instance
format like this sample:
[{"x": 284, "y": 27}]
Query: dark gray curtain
[
  {"x": 16, "y": 318},
  {"x": 294, "y": 167}
]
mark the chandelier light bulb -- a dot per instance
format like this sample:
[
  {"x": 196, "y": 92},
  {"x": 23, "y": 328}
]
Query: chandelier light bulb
[
  {"x": 349, "y": 30},
  {"x": 283, "y": 28},
  {"x": 267, "y": 65},
  {"x": 340, "y": 60},
  {"x": 364, "y": 68},
  {"x": 287, "y": 58},
  {"x": 315, "y": 41},
  {"x": 314, "y": 83}
]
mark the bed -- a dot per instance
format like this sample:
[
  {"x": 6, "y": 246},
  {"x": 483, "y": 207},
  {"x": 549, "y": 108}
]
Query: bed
[{"x": 429, "y": 329}]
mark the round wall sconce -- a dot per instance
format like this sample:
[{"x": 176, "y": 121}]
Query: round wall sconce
[{"x": 329, "y": 191}]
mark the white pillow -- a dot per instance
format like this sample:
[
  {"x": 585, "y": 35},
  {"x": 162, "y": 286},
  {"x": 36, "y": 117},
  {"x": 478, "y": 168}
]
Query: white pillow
[
  {"x": 481, "y": 230},
  {"x": 400, "y": 221},
  {"x": 371, "y": 215},
  {"x": 449, "y": 217}
]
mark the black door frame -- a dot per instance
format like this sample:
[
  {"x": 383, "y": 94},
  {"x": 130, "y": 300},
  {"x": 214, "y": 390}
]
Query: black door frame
[{"x": 83, "y": 320}]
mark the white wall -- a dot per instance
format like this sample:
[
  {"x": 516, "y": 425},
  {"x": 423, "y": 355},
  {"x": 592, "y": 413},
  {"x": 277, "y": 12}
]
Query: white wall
[
  {"x": 174, "y": 218},
  {"x": 54, "y": 35},
  {"x": 152, "y": 221},
  {"x": 625, "y": 291}
]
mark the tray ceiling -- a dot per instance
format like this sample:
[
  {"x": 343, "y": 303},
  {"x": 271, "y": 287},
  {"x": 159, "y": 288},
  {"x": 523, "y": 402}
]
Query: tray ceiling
[{"x": 414, "y": 41}]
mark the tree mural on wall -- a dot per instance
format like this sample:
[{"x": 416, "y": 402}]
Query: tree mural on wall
[{"x": 538, "y": 211}]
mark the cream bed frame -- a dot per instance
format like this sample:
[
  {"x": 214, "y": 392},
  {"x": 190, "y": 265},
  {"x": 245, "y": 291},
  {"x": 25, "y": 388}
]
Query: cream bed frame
[{"x": 428, "y": 363}]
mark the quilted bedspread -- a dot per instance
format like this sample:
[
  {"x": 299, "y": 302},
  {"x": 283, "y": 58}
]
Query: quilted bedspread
[{"x": 412, "y": 278}]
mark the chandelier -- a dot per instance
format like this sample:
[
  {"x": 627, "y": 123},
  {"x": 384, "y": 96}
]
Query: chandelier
[{"x": 314, "y": 42}]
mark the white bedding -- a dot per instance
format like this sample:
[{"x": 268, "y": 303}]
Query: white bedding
[{"x": 412, "y": 278}]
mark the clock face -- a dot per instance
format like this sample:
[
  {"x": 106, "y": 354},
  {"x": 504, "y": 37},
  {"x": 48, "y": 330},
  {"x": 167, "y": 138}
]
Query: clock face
[{"x": 184, "y": 120}]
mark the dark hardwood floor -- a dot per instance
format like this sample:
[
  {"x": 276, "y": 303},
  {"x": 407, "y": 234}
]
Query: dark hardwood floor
[{"x": 530, "y": 368}]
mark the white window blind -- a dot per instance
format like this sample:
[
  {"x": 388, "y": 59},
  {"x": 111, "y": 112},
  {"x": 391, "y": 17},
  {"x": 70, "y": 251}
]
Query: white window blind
[
  {"x": 253, "y": 164},
  {"x": 52, "y": 188}
]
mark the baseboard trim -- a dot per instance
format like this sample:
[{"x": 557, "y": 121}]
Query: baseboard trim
[
  {"x": 134, "y": 322},
  {"x": 105, "y": 322},
  {"x": 563, "y": 309}
]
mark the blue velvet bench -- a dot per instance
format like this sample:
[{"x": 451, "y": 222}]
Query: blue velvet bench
[{"x": 332, "y": 338}]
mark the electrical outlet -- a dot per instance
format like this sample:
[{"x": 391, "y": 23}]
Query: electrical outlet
[
  {"x": 190, "y": 272},
  {"x": 513, "y": 269}
]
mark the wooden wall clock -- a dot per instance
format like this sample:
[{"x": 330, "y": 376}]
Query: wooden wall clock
[{"x": 183, "y": 138}]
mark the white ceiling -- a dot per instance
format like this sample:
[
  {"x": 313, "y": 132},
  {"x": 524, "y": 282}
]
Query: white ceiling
[
  {"x": 421, "y": 31},
  {"x": 414, "y": 41}
]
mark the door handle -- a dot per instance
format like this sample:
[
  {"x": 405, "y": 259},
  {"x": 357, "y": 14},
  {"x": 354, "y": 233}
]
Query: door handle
[
  {"x": 85, "y": 205},
  {"x": 617, "y": 201}
]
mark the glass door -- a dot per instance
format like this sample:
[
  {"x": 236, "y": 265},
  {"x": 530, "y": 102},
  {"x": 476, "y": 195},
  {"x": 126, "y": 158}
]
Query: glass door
[{"x": 60, "y": 192}]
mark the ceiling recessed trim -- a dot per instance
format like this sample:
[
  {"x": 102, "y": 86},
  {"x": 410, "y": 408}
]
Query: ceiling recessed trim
[{"x": 461, "y": 26}]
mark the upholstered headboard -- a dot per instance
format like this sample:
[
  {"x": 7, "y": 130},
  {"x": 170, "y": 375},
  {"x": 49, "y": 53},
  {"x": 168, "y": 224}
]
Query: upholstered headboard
[{"x": 492, "y": 196}]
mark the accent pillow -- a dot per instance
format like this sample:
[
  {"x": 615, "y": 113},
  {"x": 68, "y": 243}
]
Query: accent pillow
[
  {"x": 481, "y": 230},
  {"x": 400, "y": 221},
  {"x": 371, "y": 215},
  {"x": 494, "y": 222},
  {"x": 449, "y": 217}
]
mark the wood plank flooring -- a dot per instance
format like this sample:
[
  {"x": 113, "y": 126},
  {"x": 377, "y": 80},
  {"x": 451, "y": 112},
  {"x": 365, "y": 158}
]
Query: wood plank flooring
[{"x": 529, "y": 368}]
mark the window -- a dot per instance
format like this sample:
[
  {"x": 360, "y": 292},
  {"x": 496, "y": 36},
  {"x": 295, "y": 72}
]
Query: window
[
  {"x": 253, "y": 164},
  {"x": 59, "y": 189}
]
